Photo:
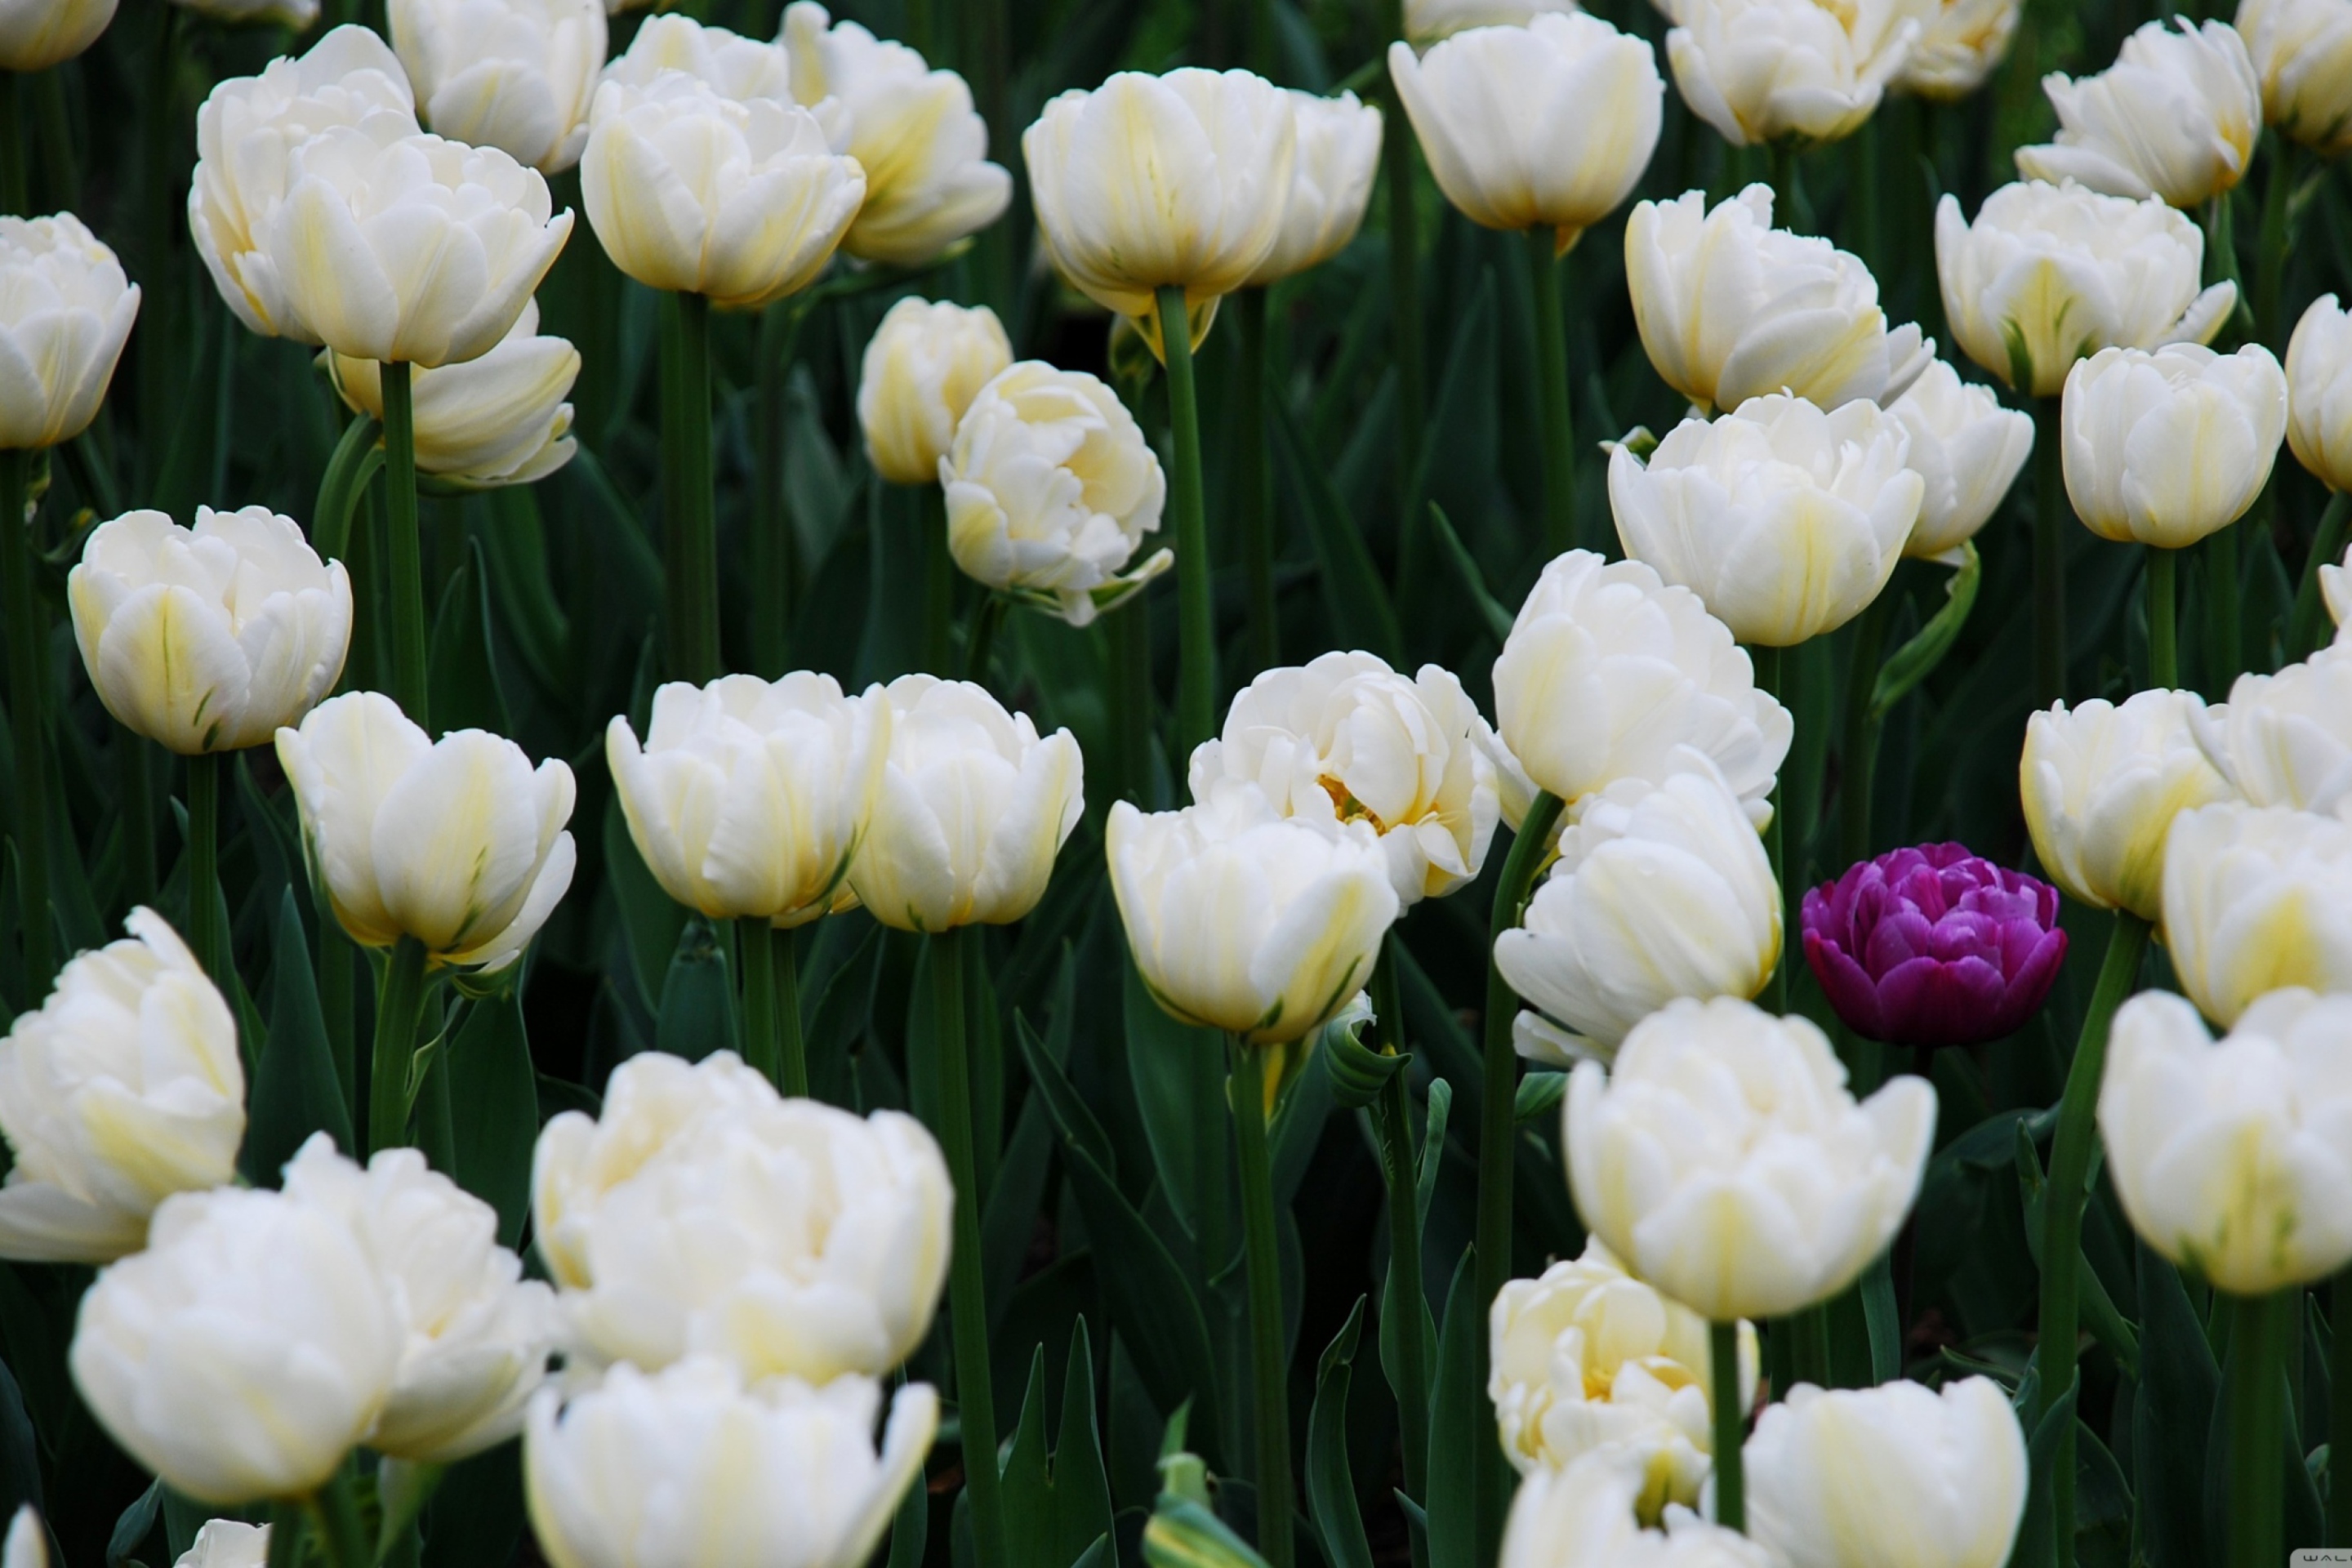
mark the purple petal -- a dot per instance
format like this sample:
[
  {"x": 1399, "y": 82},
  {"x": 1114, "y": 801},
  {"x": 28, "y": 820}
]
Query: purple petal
[{"x": 1849, "y": 988}]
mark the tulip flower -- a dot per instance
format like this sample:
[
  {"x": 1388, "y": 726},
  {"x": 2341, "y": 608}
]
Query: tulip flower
[
  {"x": 1730, "y": 308},
  {"x": 27, "y": 1543},
  {"x": 2257, "y": 899},
  {"x": 1761, "y": 71},
  {"x": 123, "y": 1088},
  {"x": 1427, "y": 21},
  {"x": 1787, "y": 521},
  {"x": 2176, "y": 117},
  {"x": 1959, "y": 44},
  {"x": 744, "y": 70},
  {"x": 515, "y": 75},
  {"x": 922, "y": 368},
  {"x": 65, "y": 312},
  {"x": 1934, "y": 946},
  {"x": 2319, "y": 393},
  {"x": 2101, "y": 785},
  {"x": 1338, "y": 151},
  {"x": 2302, "y": 50},
  {"x": 501, "y": 419},
  {"x": 922, "y": 144},
  {"x": 1347, "y": 739},
  {"x": 37, "y": 34},
  {"x": 692, "y": 1467},
  {"x": 1900, "y": 1474},
  {"x": 1968, "y": 448},
  {"x": 1050, "y": 489},
  {"x": 2167, "y": 448},
  {"x": 2286, "y": 739},
  {"x": 2335, "y": 586},
  {"x": 227, "y": 1544},
  {"x": 1586, "y": 1517}
]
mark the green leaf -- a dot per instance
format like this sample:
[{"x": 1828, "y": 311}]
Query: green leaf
[
  {"x": 1358, "y": 1072},
  {"x": 911, "y": 1527},
  {"x": 2035, "y": 1548},
  {"x": 1539, "y": 1094},
  {"x": 1465, "y": 567},
  {"x": 698, "y": 999},
  {"x": 514, "y": 548},
  {"x": 135, "y": 1524},
  {"x": 1180, "y": 1088},
  {"x": 1918, "y": 658},
  {"x": 1330, "y": 1489},
  {"x": 1458, "y": 1422},
  {"x": 1181, "y": 1533},
  {"x": 1353, "y": 594},
  {"x": 1009, "y": 1218},
  {"x": 296, "y": 1091},
  {"x": 1057, "y": 1505},
  {"x": 2099, "y": 1313},
  {"x": 651, "y": 921},
  {"x": 20, "y": 1451},
  {"x": 463, "y": 676},
  {"x": 477, "y": 1511},
  {"x": 494, "y": 1111}
]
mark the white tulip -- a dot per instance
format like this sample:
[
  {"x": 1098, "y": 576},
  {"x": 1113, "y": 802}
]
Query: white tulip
[
  {"x": 227, "y": 1543},
  {"x": 2101, "y": 785},
  {"x": 923, "y": 366},
  {"x": 207, "y": 639},
  {"x": 1609, "y": 674},
  {"x": 1347, "y": 739},
  {"x": 1785, "y": 521},
  {"x": 1427, "y": 21},
  {"x": 2319, "y": 393},
  {"x": 515, "y": 75},
  {"x": 1586, "y": 1516},
  {"x": 735, "y": 66},
  {"x": 27, "y": 1544},
  {"x": 501, "y": 419},
  {"x": 2176, "y": 117},
  {"x": 1730, "y": 308},
  {"x": 702, "y": 1213},
  {"x": 1900, "y": 1475},
  {"x": 1050, "y": 489},
  {"x": 457, "y": 844},
  {"x": 1721, "y": 1157},
  {"x": 123, "y": 1088},
  {"x": 2255, "y": 899},
  {"x": 1759, "y": 70},
  {"x": 2335, "y": 588},
  {"x": 1545, "y": 126},
  {"x": 2050, "y": 274},
  {"x": 2302, "y": 49},
  {"x": 1968, "y": 448},
  {"x": 691, "y": 1469},
  {"x": 2286, "y": 739},
  {"x": 66, "y": 312},
  {"x": 2233, "y": 1158},
  {"x": 1959, "y": 44},
  {"x": 37, "y": 34},
  {"x": 1338, "y": 151},
  {"x": 2165, "y": 448}
]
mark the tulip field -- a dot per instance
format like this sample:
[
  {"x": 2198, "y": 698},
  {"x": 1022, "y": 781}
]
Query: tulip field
[{"x": 1175, "y": 783}]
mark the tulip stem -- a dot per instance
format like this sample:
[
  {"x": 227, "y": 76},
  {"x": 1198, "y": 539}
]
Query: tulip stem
[
  {"x": 1196, "y": 676},
  {"x": 27, "y": 634},
  {"x": 1394, "y": 1111},
  {"x": 400, "y": 1004},
  {"x": 1247, "y": 1091},
  {"x": 356, "y": 457},
  {"x": 2225, "y": 654},
  {"x": 2049, "y": 555},
  {"x": 2163, "y": 619},
  {"x": 967, "y": 1286},
  {"x": 206, "y": 906},
  {"x": 1558, "y": 443},
  {"x": 334, "y": 1516},
  {"x": 2270, "y": 265},
  {"x": 2258, "y": 1337},
  {"x": 2326, "y": 548},
  {"x": 2061, "y": 1220},
  {"x": 690, "y": 525},
  {"x": 1730, "y": 1426},
  {"x": 406, "y": 611},
  {"x": 760, "y": 1043},
  {"x": 1256, "y": 475}
]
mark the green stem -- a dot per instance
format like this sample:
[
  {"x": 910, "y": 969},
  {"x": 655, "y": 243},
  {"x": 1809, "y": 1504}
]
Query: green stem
[
  {"x": 2257, "y": 1334},
  {"x": 2163, "y": 619},
  {"x": 1196, "y": 677},
  {"x": 2339, "y": 1406},
  {"x": 772, "y": 542},
  {"x": 1558, "y": 442},
  {"x": 787, "y": 965},
  {"x": 1270, "y": 1388},
  {"x": 2049, "y": 556},
  {"x": 967, "y": 1287},
  {"x": 334, "y": 1514},
  {"x": 690, "y": 527},
  {"x": 939, "y": 580},
  {"x": 399, "y": 1006},
  {"x": 406, "y": 574},
  {"x": 1730, "y": 1427},
  {"x": 357, "y": 456},
  {"x": 986, "y": 617},
  {"x": 2305, "y": 630},
  {"x": 2225, "y": 656},
  {"x": 1393, "y": 1112},
  {"x": 2270, "y": 267},
  {"x": 761, "y": 1047},
  {"x": 1255, "y": 475},
  {"x": 1771, "y": 666},
  {"x": 1858, "y": 757},
  {"x": 288, "y": 1525},
  {"x": 1131, "y": 648},
  {"x": 206, "y": 906},
  {"x": 1406, "y": 337},
  {"x": 27, "y": 707}
]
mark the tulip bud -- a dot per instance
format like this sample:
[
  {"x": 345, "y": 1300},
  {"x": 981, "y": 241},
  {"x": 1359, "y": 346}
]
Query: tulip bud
[
  {"x": 1586, "y": 1517},
  {"x": 2302, "y": 50},
  {"x": 2049, "y": 274},
  {"x": 457, "y": 843},
  {"x": 27, "y": 1544},
  {"x": 2286, "y": 739},
  {"x": 501, "y": 419},
  {"x": 296, "y": 16},
  {"x": 1610, "y": 674},
  {"x": 123, "y": 1089},
  {"x": 1545, "y": 126},
  {"x": 207, "y": 639},
  {"x": 1347, "y": 739},
  {"x": 247, "y": 132},
  {"x": 1901, "y": 1473},
  {"x": 749, "y": 799},
  {"x": 2233, "y": 1157},
  {"x": 37, "y": 34},
  {"x": 1959, "y": 43},
  {"x": 1787, "y": 521},
  {"x": 691, "y": 1469},
  {"x": 66, "y": 310},
  {"x": 2101, "y": 785},
  {"x": 2257, "y": 899},
  {"x": 1147, "y": 182},
  {"x": 227, "y": 1543},
  {"x": 515, "y": 75},
  {"x": 245, "y": 1351},
  {"x": 1721, "y": 1157},
  {"x": 922, "y": 368},
  {"x": 1660, "y": 891},
  {"x": 1759, "y": 70},
  {"x": 2176, "y": 117},
  {"x": 1338, "y": 151},
  {"x": 2335, "y": 588},
  {"x": 1967, "y": 449},
  {"x": 2319, "y": 392},
  {"x": 924, "y": 147},
  {"x": 1730, "y": 308},
  {"x": 1427, "y": 21},
  {"x": 1244, "y": 920},
  {"x": 2165, "y": 448},
  {"x": 1050, "y": 489}
]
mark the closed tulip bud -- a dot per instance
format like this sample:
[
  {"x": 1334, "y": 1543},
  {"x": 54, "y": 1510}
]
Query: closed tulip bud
[
  {"x": 923, "y": 366},
  {"x": 227, "y": 1543},
  {"x": 245, "y": 1351},
  {"x": 1721, "y": 1157},
  {"x": 123, "y": 1088},
  {"x": 2302, "y": 50},
  {"x": 247, "y": 132},
  {"x": 2286, "y": 739},
  {"x": 2165, "y": 448},
  {"x": 1959, "y": 43},
  {"x": 66, "y": 310},
  {"x": 1050, "y": 490},
  {"x": 2176, "y": 117},
  {"x": 1586, "y": 1516},
  {"x": 1427, "y": 21},
  {"x": 924, "y": 147},
  {"x": 1545, "y": 126},
  {"x": 296, "y": 17},
  {"x": 2048, "y": 274},
  {"x": 515, "y": 75},
  {"x": 702, "y": 1213},
  {"x": 37, "y": 34},
  {"x": 1966, "y": 448},
  {"x": 1244, "y": 920},
  {"x": 2257, "y": 899},
  {"x": 1900, "y": 1475},
  {"x": 973, "y": 806},
  {"x": 1730, "y": 308},
  {"x": 1174, "y": 181},
  {"x": 2319, "y": 393},
  {"x": 1660, "y": 891},
  {"x": 749, "y": 797},
  {"x": 1586, "y": 1357},
  {"x": 691, "y": 1469},
  {"x": 1787, "y": 521},
  {"x": 1759, "y": 70},
  {"x": 501, "y": 419},
  {"x": 457, "y": 843},
  {"x": 1609, "y": 674},
  {"x": 207, "y": 639},
  {"x": 2233, "y": 1157},
  {"x": 1347, "y": 739},
  {"x": 2101, "y": 785},
  {"x": 1330, "y": 184}
]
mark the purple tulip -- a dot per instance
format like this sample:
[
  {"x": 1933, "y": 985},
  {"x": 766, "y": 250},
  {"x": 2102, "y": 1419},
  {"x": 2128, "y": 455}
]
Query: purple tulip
[{"x": 1934, "y": 946}]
